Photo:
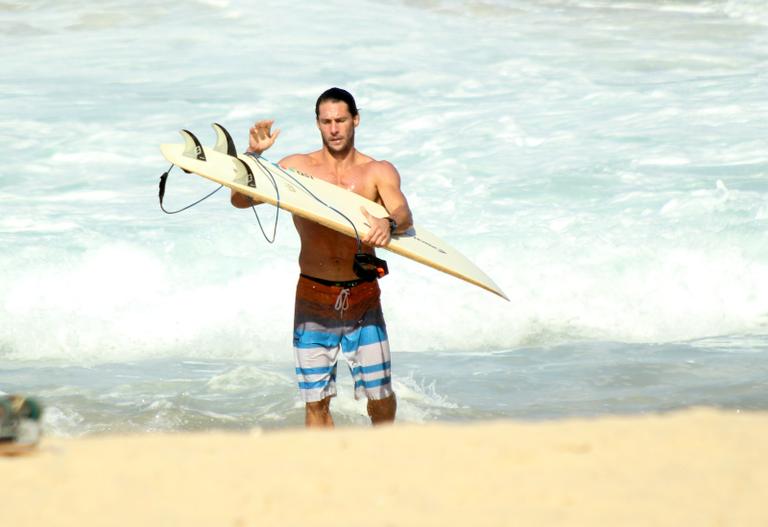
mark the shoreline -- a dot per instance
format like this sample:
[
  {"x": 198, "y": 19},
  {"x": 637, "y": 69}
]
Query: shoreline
[{"x": 695, "y": 467}]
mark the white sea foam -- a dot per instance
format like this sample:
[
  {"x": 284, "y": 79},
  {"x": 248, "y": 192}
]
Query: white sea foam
[
  {"x": 611, "y": 178},
  {"x": 244, "y": 379}
]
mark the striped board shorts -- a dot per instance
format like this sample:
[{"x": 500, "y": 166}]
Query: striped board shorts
[{"x": 342, "y": 316}]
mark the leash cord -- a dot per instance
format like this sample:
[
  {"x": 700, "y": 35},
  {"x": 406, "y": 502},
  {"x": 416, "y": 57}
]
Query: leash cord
[
  {"x": 161, "y": 193},
  {"x": 271, "y": 178},
  {"x": 268, "y": 174},
  {"x": 299, "y": 183}
]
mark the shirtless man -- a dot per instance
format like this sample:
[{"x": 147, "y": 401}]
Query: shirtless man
[{"x": 335, "y": 308}]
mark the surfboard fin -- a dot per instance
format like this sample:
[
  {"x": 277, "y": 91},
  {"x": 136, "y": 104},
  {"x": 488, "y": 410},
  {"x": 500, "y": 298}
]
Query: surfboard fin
[
  {"x": 192, "y": 146},
  {"x": 224, "y": 142},
  {"x": 243, "y": 173}
]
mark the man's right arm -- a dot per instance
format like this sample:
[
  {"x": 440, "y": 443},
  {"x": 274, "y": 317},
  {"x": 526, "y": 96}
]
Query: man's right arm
[
  {"x": 260, "y": 138},
  {"x": 241, "y": 201}
]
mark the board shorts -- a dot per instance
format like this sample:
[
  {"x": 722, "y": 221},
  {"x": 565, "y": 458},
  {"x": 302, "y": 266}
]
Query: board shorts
[{"x": 346, "y": 316}]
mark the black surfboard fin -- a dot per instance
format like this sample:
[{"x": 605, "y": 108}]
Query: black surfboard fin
[
  {"x": 192, "y": 146},
  {"x": 224, "y": 142},
  {"x": 243, "y": 173}
]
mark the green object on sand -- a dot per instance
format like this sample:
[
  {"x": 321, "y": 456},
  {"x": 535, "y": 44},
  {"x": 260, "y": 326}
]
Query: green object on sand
[{"x": 19, "y": 420}]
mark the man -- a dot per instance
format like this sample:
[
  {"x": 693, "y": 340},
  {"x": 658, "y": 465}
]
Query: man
[{"x": 335, "y": 308}]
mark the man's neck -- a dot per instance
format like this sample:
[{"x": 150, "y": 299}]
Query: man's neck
[{"x": 339, "y": 160}]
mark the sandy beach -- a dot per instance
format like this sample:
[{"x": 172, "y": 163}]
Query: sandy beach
[{"x": 700, "y": 467}]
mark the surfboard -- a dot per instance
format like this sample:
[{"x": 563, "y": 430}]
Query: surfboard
[{"x": 315, "y": 200}]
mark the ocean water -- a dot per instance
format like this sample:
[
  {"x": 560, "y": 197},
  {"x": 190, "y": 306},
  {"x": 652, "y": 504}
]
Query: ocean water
[{"x": 606, "y": 162}]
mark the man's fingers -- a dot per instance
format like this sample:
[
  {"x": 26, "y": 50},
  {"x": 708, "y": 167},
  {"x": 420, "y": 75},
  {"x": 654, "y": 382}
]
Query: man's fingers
[
  {"x": 376, "y": 239},
  {"x": 377, "y": 236},
  {"x": 262, "y": 130}
]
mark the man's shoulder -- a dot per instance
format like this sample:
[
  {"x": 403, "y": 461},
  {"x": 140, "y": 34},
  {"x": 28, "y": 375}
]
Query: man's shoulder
[
  {"x": 370, "y": 163},
  {"x": 383, "y": 164},
  {"x": 298, "y": 161},
  {"x": 382, "y": 168}
]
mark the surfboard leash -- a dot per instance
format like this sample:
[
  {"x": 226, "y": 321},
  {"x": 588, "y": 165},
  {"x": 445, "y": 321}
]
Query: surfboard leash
[
  {"x": 161, "y": 193},
  {"x": 252, "y": 183},
  {"x": 314, "y": 196}
]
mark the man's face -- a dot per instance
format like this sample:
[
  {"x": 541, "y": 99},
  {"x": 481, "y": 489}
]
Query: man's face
[{"x": 337, "y": 126}]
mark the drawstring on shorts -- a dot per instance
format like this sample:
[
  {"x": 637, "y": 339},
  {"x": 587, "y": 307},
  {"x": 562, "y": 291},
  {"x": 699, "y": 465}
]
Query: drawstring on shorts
[{"x": 342, "y": 301}]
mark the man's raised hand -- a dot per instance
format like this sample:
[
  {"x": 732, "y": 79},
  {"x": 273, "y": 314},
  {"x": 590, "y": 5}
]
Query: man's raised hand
[{"x": 261, "y": 136}]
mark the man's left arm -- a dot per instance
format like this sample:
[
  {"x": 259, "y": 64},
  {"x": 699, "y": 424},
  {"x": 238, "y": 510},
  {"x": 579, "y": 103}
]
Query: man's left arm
[{"x": 393, "y": 199}]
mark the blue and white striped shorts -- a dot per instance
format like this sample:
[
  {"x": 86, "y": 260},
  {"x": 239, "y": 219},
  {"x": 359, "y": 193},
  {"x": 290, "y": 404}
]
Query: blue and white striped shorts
[{"x": 345, "y": 317}]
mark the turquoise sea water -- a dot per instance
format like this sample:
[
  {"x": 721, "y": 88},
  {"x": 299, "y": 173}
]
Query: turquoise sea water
[{"x": 606, "y": 162}]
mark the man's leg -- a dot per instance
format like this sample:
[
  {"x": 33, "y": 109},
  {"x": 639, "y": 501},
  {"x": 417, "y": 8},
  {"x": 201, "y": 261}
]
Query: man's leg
[
  {"x": 318, "y": 414},
  {"x": 366, "y": 350},
  {"x": 382, "y": 411}
]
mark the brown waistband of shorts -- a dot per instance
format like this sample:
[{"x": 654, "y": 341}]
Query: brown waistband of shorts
[{"x": 346, "y": 284}]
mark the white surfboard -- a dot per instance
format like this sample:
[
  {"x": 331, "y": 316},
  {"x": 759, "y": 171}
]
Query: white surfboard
[{"x": 315, "y": 200}]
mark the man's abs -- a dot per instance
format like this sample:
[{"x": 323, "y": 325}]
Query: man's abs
[{"x": 325, "y": 253}]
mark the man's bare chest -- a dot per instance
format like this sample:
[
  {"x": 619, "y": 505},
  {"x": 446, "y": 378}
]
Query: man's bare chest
[{"x": 355, "y": 180}]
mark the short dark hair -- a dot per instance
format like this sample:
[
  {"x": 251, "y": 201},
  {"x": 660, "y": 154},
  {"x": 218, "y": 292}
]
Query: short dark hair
[{"x": 337, "y": 95}]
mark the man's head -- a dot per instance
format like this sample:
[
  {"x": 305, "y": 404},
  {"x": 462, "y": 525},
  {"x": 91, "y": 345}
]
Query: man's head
[
  {"x": 337, "y": 117},
  {"x": 337, "y": 95}
]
